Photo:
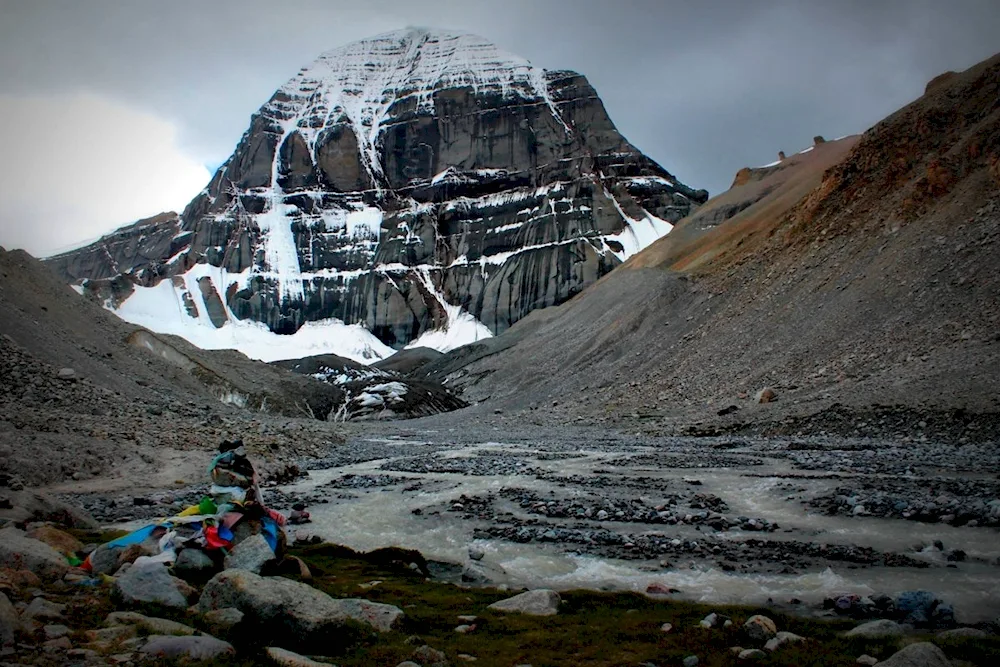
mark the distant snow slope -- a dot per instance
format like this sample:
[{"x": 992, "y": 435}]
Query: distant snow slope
[{"x": 162, "y": 309}]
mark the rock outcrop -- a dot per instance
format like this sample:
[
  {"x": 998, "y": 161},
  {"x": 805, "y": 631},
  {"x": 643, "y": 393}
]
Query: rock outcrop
[
  {"x": 309, "y": 615},
  {"x": 409, "y": 182}
]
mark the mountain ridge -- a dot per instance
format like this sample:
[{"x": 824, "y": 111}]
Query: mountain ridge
[{"x": 417, "y": 182}]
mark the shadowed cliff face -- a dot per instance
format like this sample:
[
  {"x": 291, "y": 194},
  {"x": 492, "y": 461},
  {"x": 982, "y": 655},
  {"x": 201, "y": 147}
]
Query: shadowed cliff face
[{"x": 395, "y": 179}]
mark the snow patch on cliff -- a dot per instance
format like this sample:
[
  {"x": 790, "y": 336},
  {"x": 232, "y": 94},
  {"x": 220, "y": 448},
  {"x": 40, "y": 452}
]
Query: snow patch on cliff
[
  {"x": 161, "y": 309},
  {"x": 461, "y": 328}
]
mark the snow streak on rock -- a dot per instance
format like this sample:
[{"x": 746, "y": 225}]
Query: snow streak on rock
[{"x": 361, "y": 81}]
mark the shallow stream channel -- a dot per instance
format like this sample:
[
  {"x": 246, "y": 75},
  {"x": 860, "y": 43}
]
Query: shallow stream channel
[{"x": 790, "y": 520}]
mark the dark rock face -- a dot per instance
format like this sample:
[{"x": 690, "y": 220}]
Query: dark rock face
[{"x": 401, "y": 175}]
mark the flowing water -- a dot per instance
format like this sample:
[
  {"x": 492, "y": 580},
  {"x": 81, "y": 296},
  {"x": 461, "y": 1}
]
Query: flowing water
[{"x": 411, "y": 504}]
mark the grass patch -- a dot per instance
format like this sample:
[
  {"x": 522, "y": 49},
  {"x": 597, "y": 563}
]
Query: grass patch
[
  {"x": 592, "y": 628},
  {"x": 977, "y": 650}
]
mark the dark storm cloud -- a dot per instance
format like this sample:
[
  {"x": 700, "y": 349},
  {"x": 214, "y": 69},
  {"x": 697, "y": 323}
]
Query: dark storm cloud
[{"x": 703, "y": 87}]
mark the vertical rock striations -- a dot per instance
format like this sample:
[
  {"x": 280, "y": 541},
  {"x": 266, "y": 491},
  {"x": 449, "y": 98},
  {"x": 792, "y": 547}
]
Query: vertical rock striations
[{"x": 413, "y": 182}]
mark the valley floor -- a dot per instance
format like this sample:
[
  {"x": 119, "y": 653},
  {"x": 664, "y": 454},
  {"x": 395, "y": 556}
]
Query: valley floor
[{"x": 786, "y": 520}]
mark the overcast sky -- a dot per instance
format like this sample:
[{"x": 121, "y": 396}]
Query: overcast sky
[{"x": 112, "y": 110}]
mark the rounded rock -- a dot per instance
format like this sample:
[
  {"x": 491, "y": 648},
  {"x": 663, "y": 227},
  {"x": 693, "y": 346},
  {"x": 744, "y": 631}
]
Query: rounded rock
[{"x": 760, "y": 628}]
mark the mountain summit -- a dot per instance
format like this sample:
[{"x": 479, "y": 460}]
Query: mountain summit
[{"x": 424, "y": 186}]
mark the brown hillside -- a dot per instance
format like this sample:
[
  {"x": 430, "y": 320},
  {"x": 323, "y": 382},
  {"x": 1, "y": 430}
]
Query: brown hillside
[
  {"x": 134, "y": 399},
  {"x": 866, "y": 274}
]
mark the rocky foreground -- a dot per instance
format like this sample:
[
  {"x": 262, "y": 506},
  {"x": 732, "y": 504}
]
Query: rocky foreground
[{"x": 330, "y": 605}]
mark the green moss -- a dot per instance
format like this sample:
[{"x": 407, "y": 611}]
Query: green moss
[
  {"x": 95, "y": 536},
  {"x": 592, "y": 628}
]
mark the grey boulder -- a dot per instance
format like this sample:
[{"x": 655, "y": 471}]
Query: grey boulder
[
  {"x": 307, "y": 614},
  {"x": 150, "y": 624},
  {"x": 200, "y": 647},
  {"x": 149, "y": 583},
  {"x": 759, "y": 628},
  {"x": 541, "y": 602},
  {"x": 285, "y": 658},
  {"x": 41, "y": 609},
  {"x": 20, "y": 552},
  {"x": 251, "y": 554},
  {"x": 782, "y": 639},
  {"x": 880, "y": 628},
  {"x": 923, "y": 654}
]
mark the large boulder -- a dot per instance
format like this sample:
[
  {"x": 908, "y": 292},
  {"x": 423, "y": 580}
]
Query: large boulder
[
  {"x": 880, "y": 628},
  {"x": 196, "y": 648},
  {"x": 293, "y": 611},
  {"x": 59, "y": 540},
  {"x": 541, "y": 602},
  {"x": 18, "y": 551},
  {"x": 104, "y": 559},
  {"x": 482, "y": 572},
  {"x": 150, "y": 583},
  {"x": 923, "y": 654}
]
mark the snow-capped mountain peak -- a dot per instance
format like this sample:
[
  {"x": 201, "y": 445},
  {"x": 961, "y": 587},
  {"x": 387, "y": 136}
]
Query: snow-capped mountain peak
[
  {"x": 360, "y": 82},
  {"x": 419, "y": 187}
]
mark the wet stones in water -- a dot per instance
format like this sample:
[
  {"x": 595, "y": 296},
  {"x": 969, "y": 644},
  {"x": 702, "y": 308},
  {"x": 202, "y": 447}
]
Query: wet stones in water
[
  {"x": 754, "y": 555},
  {"x": 958, "y": 502},
  {"x": 600, "y": 509},
  {"x": 367, "y": 481},
  {"x": 485, "y": 464}
]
